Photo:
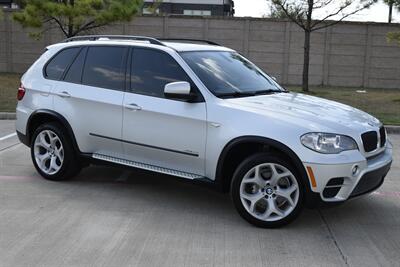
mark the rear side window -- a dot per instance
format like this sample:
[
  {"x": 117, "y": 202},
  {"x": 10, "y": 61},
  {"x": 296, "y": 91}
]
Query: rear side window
[
  {"x": 105, "y": 67},
  {"x": 74, "y": 74},
  {"x": 151, "y": 70},
  {"x": 57, "y": 65}
]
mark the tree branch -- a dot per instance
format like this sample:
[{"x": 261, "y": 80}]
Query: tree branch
[
  {"x": 298, "y": 21},
  {"x": 332, "y": 14},
  {"x": 337, "y": 21},
  {"x": 95, "y": 26},
  {"x": 60, "y": 25},
  {"x": 322, "y": 4},
  {"x": 83, "y": 27}
]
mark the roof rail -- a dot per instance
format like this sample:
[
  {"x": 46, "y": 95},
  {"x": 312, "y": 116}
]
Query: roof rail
[
  {"x": 114, "y": 37},
  {"x": 189, "y": 40}
]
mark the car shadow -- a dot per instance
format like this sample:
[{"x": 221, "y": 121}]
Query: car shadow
[{"x": 134, "y": 190}]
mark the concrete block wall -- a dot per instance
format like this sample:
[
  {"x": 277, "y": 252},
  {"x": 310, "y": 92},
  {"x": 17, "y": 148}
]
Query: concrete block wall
[{"x": 348, "y": 54}]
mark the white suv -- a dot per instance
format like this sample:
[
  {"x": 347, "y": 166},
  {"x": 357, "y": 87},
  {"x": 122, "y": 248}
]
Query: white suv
[{"x": 199, "y": 111}]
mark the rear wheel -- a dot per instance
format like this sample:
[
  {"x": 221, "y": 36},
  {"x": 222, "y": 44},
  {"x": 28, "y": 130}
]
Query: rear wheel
[
  {"x": 266, "y": 191},
  {"x": 52, "y": 152}
]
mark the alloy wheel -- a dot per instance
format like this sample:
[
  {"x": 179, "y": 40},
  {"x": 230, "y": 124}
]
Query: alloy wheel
[
  {"x": 48, "y": 152},
  {"x": 269, "y": 192}
]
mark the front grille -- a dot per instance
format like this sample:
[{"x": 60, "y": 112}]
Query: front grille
[
  {"x": 370, "y": 141},
  {"x": 382, "y": 132}
]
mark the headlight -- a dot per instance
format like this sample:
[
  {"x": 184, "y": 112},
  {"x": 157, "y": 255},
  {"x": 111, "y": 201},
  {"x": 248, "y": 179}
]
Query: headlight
[{"x": 328, "y": 143}]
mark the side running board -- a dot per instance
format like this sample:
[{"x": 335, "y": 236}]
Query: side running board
[{"x": 148, "y": 167}]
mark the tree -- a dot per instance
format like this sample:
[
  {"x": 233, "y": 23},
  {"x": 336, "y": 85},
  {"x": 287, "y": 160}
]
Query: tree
[
  {"x": 74, "y": 17},
  {"x": 391, "y": 4},
  {"x": 301, "y": 13},
  {"x": 277, "y": 13},
  {"x": 393, "y": 36}
]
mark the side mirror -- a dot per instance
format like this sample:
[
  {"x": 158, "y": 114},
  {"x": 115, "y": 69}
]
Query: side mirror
[{"x": 179, "y": 90}]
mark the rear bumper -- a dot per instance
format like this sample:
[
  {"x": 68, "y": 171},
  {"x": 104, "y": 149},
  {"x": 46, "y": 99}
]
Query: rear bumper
[
  {"x": 23, "y": 138},
  {"x": 23, "y": 115}
]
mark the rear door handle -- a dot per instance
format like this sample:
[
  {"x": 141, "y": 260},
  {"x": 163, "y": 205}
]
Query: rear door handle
[
  {"x": 63, "y": 94},
  {"x": 133, "y": 106}
]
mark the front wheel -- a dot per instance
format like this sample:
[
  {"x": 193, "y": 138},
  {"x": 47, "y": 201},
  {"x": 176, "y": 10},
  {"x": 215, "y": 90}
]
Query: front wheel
[{"x": 266, "y": 191}]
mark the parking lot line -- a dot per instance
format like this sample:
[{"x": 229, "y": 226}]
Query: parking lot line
[
  {"x": 7, "y": 136},
  {"x": 8, "y": 147}
]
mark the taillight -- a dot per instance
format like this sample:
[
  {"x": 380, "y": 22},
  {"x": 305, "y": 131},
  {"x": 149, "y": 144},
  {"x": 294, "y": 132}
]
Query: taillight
[{"x": 21, "y": 92}]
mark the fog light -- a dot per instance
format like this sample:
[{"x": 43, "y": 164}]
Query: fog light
[{"x": 354, "y": 171}]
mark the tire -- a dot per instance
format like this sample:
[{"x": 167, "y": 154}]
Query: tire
[
  {"x": 52, "y": 153},
  {"x": 264, "y": 201}
]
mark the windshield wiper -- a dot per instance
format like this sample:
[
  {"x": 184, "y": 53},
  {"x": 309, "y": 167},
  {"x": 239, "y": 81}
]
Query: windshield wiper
[
  {"x": 268, "y": 91},
  {"x": 235, "y": 94},
  {"x": 250, "y": 93}
]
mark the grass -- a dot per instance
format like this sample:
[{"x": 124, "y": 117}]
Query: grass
[
  {"x": 382, "y": 103},
  {"x": 9, "y": 84}
]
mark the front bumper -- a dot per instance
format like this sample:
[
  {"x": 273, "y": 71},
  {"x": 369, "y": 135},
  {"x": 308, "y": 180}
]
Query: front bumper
[
  {"x": 370, "y": 181},
  {"x": 339, "y": 182}
]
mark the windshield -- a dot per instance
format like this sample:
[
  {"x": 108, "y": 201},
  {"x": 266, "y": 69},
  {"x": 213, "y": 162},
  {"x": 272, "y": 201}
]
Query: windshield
[{"x": 229, "y": 74}]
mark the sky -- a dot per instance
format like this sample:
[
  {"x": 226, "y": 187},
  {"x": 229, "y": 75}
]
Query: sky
[{"x": 258, "y": 8}]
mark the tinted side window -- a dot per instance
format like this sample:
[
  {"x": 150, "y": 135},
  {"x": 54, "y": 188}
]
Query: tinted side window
[
  {"x": 74, "y": 73},
  {"x": 56, "y": 67},
  {"x": 151, "y": 70},
  {"x": 105, "y": 67}
]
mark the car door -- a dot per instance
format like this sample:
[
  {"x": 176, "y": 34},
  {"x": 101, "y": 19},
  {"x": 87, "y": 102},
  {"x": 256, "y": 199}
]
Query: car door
[
  {"x": 158, "y": 131},
  {"x": 90, "y": 98}
]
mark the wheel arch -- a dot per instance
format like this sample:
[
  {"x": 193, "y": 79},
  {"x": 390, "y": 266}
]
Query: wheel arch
[
  {"x": 254, "y": 144},
  {"x": 41, "y": 116}
]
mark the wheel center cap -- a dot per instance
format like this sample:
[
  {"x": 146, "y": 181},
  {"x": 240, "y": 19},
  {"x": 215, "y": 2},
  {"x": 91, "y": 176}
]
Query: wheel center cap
[{"x": 269, "y": 191}]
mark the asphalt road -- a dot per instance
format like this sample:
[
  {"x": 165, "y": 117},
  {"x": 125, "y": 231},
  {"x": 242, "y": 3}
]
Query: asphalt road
[{"x": 112, "y": 217}]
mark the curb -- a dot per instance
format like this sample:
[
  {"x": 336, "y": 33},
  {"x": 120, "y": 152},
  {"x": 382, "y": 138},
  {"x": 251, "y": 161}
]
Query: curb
[
  {"x": 391, "y": 129},
  {"x": 8, "y": 116}
]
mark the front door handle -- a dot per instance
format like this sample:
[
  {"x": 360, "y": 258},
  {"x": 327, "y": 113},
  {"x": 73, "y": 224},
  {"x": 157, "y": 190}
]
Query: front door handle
[
  {"x": 133, "y": 106},
  {"x": 63, "y": 94}
]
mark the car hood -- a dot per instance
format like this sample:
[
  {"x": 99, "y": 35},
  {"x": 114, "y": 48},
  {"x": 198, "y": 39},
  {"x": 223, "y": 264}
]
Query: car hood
[{"x": 311, "y": 112}]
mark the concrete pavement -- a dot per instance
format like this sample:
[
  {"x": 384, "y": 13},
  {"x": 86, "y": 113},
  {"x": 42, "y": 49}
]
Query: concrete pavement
[{"x": 113, "y": 217}]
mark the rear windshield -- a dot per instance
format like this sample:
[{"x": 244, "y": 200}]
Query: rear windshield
[{"x": 228, "y": 72}]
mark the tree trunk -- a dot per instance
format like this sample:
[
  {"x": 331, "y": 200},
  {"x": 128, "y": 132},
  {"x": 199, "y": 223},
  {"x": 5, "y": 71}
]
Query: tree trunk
[
  {"x": 70, "y": 21},
  {"x": 306, "y": 65},
  {"x": 70, "y": 29},
  {"x": 307, "y": 41},
  {"x": 390, "y": 12}
]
